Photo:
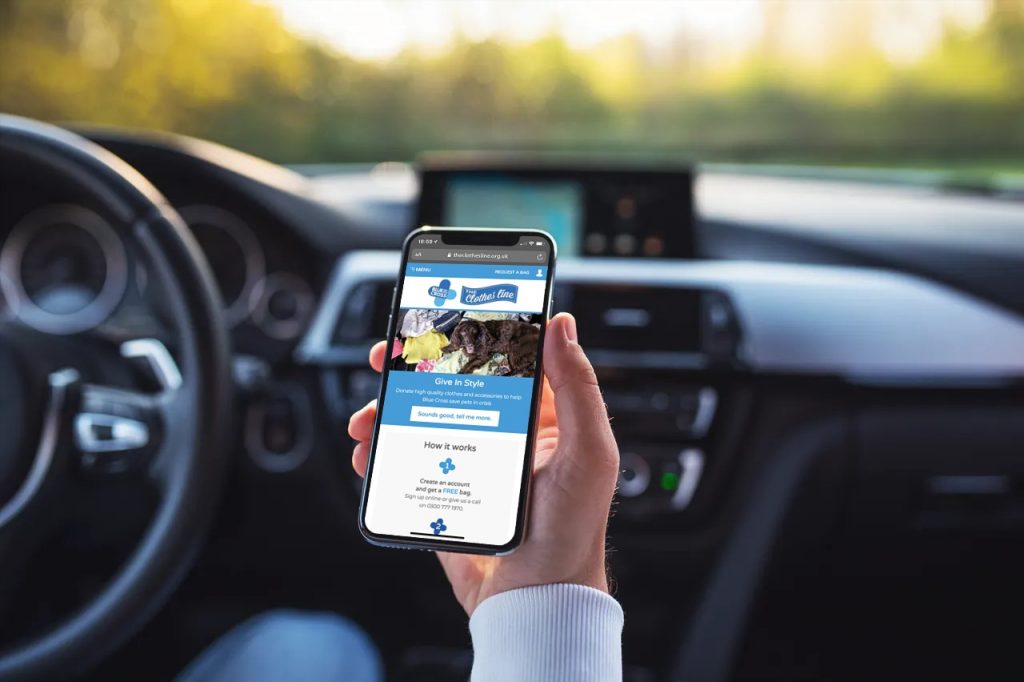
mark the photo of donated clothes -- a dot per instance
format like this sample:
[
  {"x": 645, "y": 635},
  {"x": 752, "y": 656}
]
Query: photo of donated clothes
[
  {"x": 455, "y": 410},
  {"x": 467, "y": 342}
]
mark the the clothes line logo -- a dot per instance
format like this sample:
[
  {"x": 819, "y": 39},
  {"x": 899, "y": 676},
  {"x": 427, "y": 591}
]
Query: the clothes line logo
[
  {"x": 503, "y": 293},
  {"x": 442, "y": 292}
]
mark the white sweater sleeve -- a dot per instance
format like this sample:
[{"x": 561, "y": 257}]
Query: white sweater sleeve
[{"x": 563, "y": 633}]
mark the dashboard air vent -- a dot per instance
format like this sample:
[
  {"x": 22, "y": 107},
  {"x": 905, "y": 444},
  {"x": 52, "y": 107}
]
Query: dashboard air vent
[
  {"x": 652, "y": 319},
  {"x": 365, "y": 315}
]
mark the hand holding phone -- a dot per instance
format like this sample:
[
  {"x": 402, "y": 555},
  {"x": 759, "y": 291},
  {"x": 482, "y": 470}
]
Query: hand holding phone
[{"x": 576, "y": 466}]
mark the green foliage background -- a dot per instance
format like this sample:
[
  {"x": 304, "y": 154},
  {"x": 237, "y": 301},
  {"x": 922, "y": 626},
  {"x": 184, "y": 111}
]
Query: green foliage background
[{"x": 230, "y": 71}]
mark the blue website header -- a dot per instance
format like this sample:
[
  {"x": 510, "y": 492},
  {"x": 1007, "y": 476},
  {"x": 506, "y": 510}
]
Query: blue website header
[{"x": 476, "y": 271}]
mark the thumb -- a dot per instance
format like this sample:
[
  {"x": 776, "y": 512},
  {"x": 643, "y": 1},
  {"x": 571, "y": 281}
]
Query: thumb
[{"x": 585, "y": 440}]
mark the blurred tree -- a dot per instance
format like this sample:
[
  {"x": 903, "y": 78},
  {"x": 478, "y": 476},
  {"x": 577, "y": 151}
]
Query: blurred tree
[
  {"x": 230, "y": 70},
  {"x": 1005, "y": 27}
]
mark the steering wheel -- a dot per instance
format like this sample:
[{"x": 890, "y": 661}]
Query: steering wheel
[{"x": 59, "y": 431}]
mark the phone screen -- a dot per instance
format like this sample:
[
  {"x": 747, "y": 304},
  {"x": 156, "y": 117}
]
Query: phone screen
[{"x": 452, "y": 448}]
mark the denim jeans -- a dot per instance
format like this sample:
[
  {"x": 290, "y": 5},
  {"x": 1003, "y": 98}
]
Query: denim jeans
[{"x": 289, "y": 645}]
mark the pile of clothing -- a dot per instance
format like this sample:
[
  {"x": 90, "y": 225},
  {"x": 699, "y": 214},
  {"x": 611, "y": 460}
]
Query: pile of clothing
[{"x": 424, "y": 335}]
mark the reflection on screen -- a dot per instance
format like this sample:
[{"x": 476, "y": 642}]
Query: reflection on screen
[{"x": 496, "y": 201}]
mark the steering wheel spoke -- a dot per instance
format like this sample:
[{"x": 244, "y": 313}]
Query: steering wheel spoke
[
  {"x": 45, "y": 461},
  {"x": 120, "y": 432},
  {"x": 24, "y": 516}
]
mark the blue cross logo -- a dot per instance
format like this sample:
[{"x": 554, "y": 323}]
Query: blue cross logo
[
  {"x": 438, "y": 526},
  {"x": 442, "y": 292},
  {"x": 446, "y": 466}
]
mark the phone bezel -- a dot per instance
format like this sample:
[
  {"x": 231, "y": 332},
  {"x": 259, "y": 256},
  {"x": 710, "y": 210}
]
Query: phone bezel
[{"x": 463, "y": 237}]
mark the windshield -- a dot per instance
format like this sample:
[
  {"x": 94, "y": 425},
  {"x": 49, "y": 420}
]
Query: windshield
[{"x": 922, "y": 84}]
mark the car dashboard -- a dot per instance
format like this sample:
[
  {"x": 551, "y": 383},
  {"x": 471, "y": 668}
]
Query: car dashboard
[{"x": 823, "y": 400}]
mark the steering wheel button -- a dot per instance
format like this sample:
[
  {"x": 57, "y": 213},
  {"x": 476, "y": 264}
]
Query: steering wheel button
[{"x": 108, "y": 433}]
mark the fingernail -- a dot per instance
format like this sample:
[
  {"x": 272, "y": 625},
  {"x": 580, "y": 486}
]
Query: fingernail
[{"x": 570, "y": 328}]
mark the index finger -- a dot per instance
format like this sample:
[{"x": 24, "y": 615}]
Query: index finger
[{"x": 377, "y": 354}]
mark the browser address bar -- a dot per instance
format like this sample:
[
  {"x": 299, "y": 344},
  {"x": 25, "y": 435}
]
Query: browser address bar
[{"x": 463, "y": 255}]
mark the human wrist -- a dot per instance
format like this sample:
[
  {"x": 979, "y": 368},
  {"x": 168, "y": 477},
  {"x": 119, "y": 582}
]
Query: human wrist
[{"x": 591, "y": 577}]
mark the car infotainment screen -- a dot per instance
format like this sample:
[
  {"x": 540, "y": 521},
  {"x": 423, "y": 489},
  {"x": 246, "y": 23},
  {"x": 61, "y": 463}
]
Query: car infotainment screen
[
  {"x": 554, "y": 206},
  {"x": 602, "y": 209}
]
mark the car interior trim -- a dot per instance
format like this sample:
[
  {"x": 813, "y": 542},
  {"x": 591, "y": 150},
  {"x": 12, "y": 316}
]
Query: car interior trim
[
  {"x": 708, "y": 650},
  {"x": 280, "y": 462},
  {"x": 691, "y": 466},
  {"x": 852, "y": 322}
]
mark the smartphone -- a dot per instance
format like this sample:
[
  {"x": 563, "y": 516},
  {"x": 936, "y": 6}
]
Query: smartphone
[{"x": 452, "y": 449}]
